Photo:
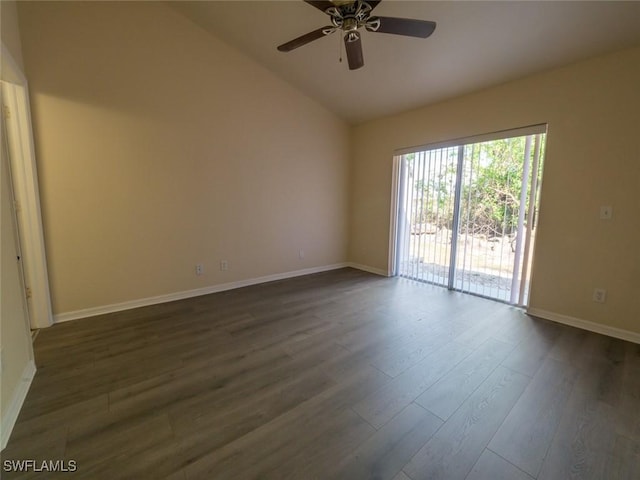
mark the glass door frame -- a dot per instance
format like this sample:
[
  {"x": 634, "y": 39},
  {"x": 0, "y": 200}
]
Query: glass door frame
[{"x": 524, "y": 250}]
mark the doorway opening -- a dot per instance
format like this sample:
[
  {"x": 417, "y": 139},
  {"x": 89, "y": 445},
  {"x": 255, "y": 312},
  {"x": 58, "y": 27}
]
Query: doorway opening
[{"x": 467, "y": 213}]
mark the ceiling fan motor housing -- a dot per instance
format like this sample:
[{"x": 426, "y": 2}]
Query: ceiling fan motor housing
[{"x": 351, "y": 16}]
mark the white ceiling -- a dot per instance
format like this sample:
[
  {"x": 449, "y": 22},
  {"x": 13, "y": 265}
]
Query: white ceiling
[{"x": 476, "y": 44}]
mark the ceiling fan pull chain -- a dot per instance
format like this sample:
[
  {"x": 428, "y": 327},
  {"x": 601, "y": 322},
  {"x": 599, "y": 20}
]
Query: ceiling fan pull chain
[{"x": 339, "y": 48}]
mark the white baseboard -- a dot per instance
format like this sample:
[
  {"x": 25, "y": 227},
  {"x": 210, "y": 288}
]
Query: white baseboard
[
  {"x": 367, "y": 268},
  {"x": 20, "y": 393},
  {"x": 586, "y": 325},
  {"x": 171, "y": 297}
]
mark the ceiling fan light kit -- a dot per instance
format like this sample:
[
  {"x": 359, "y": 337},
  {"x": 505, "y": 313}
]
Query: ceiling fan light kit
[{"x": 349, "y": 17}]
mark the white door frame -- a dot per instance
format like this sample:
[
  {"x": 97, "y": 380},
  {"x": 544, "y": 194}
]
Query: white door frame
[{"x": 22, "y": 160}]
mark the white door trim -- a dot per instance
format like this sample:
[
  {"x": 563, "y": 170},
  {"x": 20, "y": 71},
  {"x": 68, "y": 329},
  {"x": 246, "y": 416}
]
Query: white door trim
[
  {"x": 15, "y": 97},
  {"x": 394, "y": 215}
]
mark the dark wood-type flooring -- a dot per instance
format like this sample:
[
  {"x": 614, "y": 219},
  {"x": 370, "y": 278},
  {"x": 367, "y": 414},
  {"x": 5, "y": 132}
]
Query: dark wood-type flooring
[{"x": 339, "y": 375}]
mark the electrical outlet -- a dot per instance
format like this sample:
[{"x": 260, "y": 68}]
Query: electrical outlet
[
  {"x": 606, "y": 213},
  {"x": 224, "y": 265},
  {"x": 599, "y": 295},
  {"x": 199, "y": 269},
  {"x": 301, "y": 254}
]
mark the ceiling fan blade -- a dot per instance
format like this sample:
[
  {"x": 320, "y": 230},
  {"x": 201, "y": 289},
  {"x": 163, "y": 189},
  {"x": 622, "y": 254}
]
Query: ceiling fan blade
[
  {"x": 405, "y": 26},
  {"x": 306, "y": 38},
  {"x": 320, "y": 4},
  {"x": 353, "y": 46}
]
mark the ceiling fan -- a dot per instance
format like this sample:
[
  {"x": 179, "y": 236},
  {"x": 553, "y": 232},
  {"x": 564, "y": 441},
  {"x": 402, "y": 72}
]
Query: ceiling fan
[{"x": 349, "y": 16}]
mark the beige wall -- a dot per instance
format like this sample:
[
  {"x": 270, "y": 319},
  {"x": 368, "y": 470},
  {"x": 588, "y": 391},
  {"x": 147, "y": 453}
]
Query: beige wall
[
  {"x": 15, "y": 341},
  {"x": 159, "y": 147},
  {"x": 10, "y": 31},
  {"x": 593, "y": 159}
]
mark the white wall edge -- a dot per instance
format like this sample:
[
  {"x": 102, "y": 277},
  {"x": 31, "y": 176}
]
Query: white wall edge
[
  {"x": 19, "y": 395},
  {"x": 586, "y": 325},
  {"x": 367, "y": 268},
  {"x": 171, "y": 297}
]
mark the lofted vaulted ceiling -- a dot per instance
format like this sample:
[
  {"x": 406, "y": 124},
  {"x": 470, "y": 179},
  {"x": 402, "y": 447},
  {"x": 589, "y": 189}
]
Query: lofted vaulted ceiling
[{"x": 476, "y": 44}]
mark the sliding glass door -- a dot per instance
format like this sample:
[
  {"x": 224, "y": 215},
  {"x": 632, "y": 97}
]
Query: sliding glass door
[
  {"x": 428, "y": 180},
  {"x": 467, "y": 213}
]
